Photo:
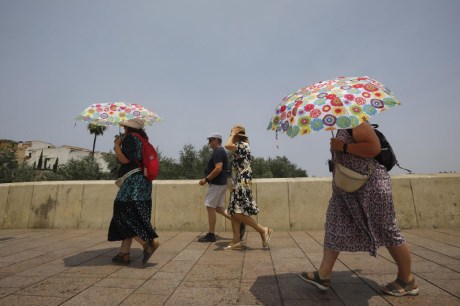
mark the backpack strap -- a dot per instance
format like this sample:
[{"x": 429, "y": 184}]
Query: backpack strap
[
  {"x": 142, "y": 140},
  {"x": 409, "y": 171}
]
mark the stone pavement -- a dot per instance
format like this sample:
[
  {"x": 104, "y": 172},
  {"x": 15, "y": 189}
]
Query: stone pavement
[{"x": 73, "y": 267}]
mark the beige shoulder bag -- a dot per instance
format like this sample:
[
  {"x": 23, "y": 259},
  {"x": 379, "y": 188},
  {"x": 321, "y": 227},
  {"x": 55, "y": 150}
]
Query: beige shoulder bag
[{"x": 349, "y": 180}]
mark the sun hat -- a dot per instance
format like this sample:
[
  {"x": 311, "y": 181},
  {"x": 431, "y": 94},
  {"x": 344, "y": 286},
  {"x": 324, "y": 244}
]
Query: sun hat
[
  {"x": 133, "y": 123},
  {"x": 215, "y": 135},
  {"x": 242, "y": 131}
]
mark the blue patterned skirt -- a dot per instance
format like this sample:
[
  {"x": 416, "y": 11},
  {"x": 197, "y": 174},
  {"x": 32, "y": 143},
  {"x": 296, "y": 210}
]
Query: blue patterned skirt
[{"x": 132, "y": 210}]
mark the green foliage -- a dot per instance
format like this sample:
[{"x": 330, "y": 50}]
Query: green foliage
[
  {"x": 169, "y": 168},
  {"x": 11, "y": 171},
  {"x": 78, "y": 169},
  {"x": 24, "y": 173},
  {"x": 112, "y": 164},
  {"x": 191, "y": 165},
  {"x": 8, "y": 164}
]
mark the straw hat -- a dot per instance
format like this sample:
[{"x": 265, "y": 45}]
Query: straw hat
[{"x": 133, "y": 123}]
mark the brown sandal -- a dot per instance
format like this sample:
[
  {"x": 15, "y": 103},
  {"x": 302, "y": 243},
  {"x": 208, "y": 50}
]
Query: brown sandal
[
  {"x": 121, "y": 258},
  {"x": 400, "y": 288},
  {"x": 150, "y": 247},
  {"x": 266, "y": 237},
  {"x": 321, "y": 284}
]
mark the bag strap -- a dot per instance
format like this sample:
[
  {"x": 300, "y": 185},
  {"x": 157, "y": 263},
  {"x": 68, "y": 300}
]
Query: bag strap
[{"x": 142, "y": 140}]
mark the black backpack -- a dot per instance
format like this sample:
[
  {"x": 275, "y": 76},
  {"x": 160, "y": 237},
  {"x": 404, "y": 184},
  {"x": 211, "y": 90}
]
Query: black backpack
[{"x": 387, "y": 156}]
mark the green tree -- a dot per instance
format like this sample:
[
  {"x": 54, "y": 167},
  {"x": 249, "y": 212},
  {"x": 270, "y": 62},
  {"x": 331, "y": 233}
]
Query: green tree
[
  {"x": 112, "y": 164},
  {"x": 8, "y": 163},
  {"x": 189, "y": 163},
  {"x": 203, "y": 159},
  {"x": 169, "y": 168},
  {"x": 279, "y": 167},
  {"x": 96, "y": 130},
  {"x": 24, "y": 173},
  {"x": 260, "y": 168},
  {"x": 40, "y": 161},
  {"x": 77, "y": 169},
  {"x": 11, "y": 171}
]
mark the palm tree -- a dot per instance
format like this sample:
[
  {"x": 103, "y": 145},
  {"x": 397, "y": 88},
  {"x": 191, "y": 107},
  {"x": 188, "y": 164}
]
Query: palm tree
[{"x": 96, "y": 130}]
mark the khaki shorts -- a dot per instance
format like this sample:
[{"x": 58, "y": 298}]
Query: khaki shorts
[{"x": 215, "y": 196}]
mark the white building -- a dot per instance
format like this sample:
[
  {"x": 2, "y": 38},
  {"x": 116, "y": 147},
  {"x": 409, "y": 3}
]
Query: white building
[{"x": 33, "y": 150}]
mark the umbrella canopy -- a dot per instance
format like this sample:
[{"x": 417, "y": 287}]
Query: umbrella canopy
[
  {"x": 341, "y": 103},
  {"x": 111, "y": 114}
]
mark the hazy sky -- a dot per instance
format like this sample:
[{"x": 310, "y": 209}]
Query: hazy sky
[{"x": 204, "y": 66}]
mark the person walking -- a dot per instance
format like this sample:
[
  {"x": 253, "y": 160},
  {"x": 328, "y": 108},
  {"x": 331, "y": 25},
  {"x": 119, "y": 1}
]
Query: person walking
[
  {"x": 133, "y": 203},
  {"x": 242, "y": 205},
  {"x": 216, "y": 178},
  {"x": 365, "y": 219}
]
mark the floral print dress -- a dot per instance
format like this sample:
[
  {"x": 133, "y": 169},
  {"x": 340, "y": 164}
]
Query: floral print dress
[
  {"x": 241, "y": 200},
  {"x": 132, "y": 208},
  {"x": 365, "y": 219}
]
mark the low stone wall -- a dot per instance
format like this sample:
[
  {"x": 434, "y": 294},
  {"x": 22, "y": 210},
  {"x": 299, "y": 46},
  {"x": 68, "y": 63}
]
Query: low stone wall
[{"x": 421, "y": 201}]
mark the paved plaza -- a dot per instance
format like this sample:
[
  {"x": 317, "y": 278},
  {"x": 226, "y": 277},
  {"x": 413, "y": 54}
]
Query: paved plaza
[{"x": 73, "y": 267}]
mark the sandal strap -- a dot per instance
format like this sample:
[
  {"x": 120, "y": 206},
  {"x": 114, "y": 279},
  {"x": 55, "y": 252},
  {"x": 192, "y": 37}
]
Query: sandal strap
[
  {"x": 402, "y": 284},
  {"x": 324, "y": 282},
  {"x": 406, "y": 286}
]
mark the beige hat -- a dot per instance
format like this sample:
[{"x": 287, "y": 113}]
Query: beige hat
[
  {"x": 215, "y": 135},
  {"x": 133, "y": 123},
  {"x": 242, "y": 131}
]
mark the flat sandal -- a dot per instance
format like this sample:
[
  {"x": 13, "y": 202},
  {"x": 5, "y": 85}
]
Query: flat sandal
[{"x": 122, "y": 258}]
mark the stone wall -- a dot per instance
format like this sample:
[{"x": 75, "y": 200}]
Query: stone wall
[{"x": 421, "y": 201}]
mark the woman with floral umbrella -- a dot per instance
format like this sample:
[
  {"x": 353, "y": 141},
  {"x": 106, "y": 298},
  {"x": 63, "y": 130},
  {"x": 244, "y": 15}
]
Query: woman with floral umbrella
[
  {"x": 364, "y": 219},
  {"x": 132, "y": 207}
]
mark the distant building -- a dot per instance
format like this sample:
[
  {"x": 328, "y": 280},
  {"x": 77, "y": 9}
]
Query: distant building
[{"x": 30, "y": 152}]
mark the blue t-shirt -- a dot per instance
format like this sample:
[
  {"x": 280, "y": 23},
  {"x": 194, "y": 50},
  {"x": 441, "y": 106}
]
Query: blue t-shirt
[{"x": 218, "y": 156}]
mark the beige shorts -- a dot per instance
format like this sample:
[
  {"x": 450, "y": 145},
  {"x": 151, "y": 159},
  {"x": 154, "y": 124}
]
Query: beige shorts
[{"x": 215, "y": 196}]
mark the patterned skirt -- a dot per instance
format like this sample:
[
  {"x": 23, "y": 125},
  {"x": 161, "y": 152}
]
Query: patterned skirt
[
  {"x": 132, "y": 210},
  {"x": 363, "y": 220}
]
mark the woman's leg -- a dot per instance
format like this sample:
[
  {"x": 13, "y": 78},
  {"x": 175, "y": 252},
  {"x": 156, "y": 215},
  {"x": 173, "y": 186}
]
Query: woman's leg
[
  {"x": 250, "y": 222},
  {"x": 265, "y": 232},
  {"x": 401, "y": 256},
  {"x": 126, "y": 246},
  {"x": 321, "y": 278},
  {"x": 327, "y": 263},
  {"x": 235, "y": 230}
]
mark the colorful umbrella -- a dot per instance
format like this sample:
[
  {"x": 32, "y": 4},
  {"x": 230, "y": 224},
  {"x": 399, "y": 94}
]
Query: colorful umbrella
[
  {"x": 111, "y": 114},
  {"x": 330, "y": 105}
]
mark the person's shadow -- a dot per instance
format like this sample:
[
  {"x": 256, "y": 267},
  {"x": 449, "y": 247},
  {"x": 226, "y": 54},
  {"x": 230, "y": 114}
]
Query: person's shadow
[
  {"x": 289, "y": 289},
  {"x": 103, "y": 257}
]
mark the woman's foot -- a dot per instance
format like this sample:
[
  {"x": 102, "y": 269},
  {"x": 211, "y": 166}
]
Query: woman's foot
[
  {"x": 122, "y": 258},
  {"x": 401, "y": 288},
  {"x": 234, "y": 246},
  {"x": 150, "y": 247},
  {"x": 266, "y": 237},
  {"x": 314, "y": 279}
]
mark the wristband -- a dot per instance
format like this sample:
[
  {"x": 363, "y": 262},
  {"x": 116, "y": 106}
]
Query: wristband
[{"x": 345, "y": 147}]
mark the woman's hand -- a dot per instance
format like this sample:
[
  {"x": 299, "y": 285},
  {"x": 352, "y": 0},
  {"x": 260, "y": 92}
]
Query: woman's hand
[
  {"x": 117, "y": 141},
  {"x": 336, "y": 145},
  {"x": 235, "y": 131}
]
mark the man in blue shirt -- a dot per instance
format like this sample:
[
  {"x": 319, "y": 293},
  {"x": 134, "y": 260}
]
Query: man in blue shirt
[{"x": 216, "y": 177}]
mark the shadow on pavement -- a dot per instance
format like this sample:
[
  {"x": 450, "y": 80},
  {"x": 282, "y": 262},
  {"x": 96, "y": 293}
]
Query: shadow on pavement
[
  {"x": 288, "y": 287},
  {"x": 100, "y": 257}
]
